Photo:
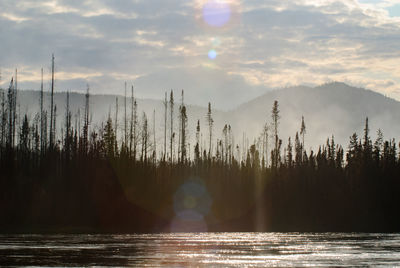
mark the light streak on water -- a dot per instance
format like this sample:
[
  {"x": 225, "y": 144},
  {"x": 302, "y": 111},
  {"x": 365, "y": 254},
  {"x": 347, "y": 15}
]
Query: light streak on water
[{"x": 202, "y": 250}]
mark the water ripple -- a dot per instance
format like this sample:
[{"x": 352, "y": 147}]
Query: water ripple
[{"x": 202, "y": 250}]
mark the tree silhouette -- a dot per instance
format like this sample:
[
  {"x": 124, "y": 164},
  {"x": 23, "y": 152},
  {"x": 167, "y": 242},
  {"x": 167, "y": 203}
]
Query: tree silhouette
[
  {"x": 275, "y": 124},
  {"x": 90, "y": 181},
  {"x": 210, "y": 122}
]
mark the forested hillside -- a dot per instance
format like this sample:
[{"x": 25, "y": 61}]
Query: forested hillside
[
  {"x": 93, "y": 179},
  {"x": 332, "y": 109}
]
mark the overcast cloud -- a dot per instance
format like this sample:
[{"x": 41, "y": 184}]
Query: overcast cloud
[{"x": 225, "y": 52}]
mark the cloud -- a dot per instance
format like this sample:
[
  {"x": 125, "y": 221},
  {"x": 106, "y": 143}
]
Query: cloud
[{"x": 161, "y": 44}]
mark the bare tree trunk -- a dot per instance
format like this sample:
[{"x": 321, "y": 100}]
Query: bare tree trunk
[
  {"x": 54, "y": 123},
  {"x": 42, "y": 144},
  {"x": 52, "y": 102},
  {"x": 165, "y": 125},
  {"x": 14, "y": 123},
  {"x": 86, "y": 122},
  {"x": 10, "y": 100},
  {"x": 125, "y": 121},
  {"x": 2, "y": 126},
  {"x": 116, "y": 120},
  {"x": 79, "y": 122},
  {"x": 131, "y": 125},
  {"x": 210, "y": 125},
  {"x": 67, "y": 140},
  {"x": 45, "y": 127},
  {"x": 171, "y": 104},
  {"x": 154, "y": 137},
  {"x": 135, "y": 125},
  {"x": 3, "y": 118},
  {"x": 145, "y": 136},
  {"x": 275, "y": 121}
]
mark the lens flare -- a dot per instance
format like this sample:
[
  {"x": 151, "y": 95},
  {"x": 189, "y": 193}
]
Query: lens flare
[
  {"x": 191, "y": 204},
  {"x": 216, "y": 13},
  {"x": 212, "y": 54}
]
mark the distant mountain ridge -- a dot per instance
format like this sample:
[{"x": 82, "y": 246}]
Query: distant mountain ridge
[{"x": 330, "y": 109}]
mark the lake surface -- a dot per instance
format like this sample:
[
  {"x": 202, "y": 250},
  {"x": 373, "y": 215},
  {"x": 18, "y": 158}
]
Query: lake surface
[{"x": 201, "y": 249}]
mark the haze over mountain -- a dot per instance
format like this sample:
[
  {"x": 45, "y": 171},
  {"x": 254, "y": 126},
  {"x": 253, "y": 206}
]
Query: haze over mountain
[{"x": 331, "y": 109}]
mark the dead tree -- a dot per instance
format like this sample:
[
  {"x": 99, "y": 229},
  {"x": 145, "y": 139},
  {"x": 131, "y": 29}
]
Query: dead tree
[
  {"x": 131, "y": 125},
  {"x": 116, "y": 121},
  {"x": 154, "y": 137},
  {"x": 86, "y": 122},
  {"x": 68, "y": 131},
  {"x": 10, "y": 110},
  {"x": 210, "y": 126},
  {"x": 125, "y": 121},
  {"x": 55, "y": 123},
  {"x": 3, "y": 118},
  {"x": 52, "y": 103},
  {"x": 15, "y": 107},
  {"x": 145, "y": 138},
  {"x": 42, "y": 129},
  {"x": 171, "y": 105},
  {"x": 135, "y": 129},
  {"x": 165, "y": 125}
]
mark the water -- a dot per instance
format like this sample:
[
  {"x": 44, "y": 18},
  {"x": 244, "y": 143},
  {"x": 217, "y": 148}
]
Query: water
[{"x": 201, "y": 249}]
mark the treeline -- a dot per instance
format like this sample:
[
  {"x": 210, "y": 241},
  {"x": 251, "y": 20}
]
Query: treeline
[{"x": 114, "y": 178}]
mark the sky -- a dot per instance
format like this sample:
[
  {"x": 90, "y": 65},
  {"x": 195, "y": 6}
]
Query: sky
[{"x": 223, "y": 51}]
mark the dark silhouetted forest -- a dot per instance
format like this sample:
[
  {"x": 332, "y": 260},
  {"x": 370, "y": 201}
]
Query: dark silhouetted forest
[{"x": 119, "y": 178}]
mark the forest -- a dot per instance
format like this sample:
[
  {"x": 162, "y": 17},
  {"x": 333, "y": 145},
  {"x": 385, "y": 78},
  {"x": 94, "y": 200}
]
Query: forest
[{"x": 117, "y": 178}]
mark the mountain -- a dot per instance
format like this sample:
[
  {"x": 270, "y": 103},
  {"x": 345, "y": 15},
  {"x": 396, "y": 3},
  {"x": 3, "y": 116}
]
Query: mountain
[{"x": 331, "y": 109}]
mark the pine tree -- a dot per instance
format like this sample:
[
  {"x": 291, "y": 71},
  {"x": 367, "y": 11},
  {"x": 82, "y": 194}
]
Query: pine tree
[
  {"x": 275, "y": 123},
  {"x": 24, "y": 136},
  {"x": 367, "y": 144},
  {"x": 353, "y": 149},
  {"x": 378, "y": 147},
  {"x": 109, "y": 138},
  {"x": 197, "y": 146},
  {"x": 302, "y": 133},
  {"x": 183, "y": 125}
]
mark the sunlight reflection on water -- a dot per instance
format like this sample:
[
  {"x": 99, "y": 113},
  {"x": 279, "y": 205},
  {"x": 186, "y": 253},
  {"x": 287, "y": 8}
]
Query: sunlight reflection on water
[{"x": 201, "y": 249}]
